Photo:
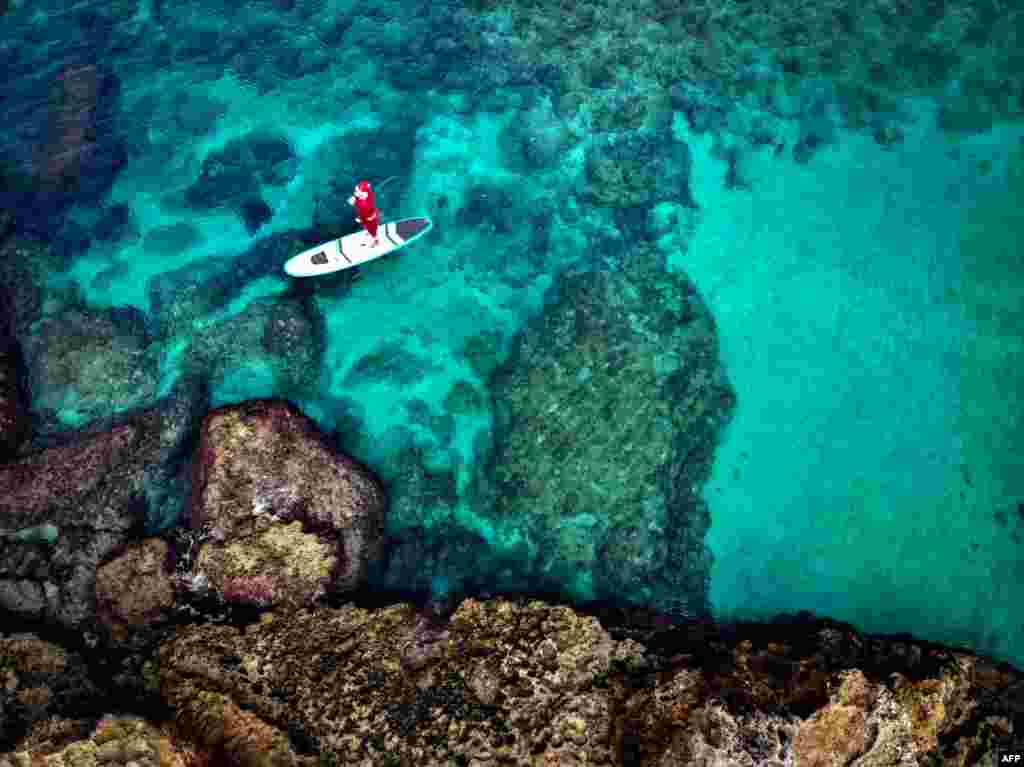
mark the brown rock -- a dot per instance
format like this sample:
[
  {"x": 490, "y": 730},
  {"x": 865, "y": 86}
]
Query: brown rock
[
  {"x": 514, "y": 683},
  {"x": 288, "y": 518},
  {"x": 135, "y": 589}
]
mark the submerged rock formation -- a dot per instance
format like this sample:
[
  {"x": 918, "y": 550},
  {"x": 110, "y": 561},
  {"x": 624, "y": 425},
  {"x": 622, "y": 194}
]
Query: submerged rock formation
[{"x": 607, "y": 413}]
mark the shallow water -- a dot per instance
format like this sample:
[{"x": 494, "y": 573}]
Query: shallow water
[{"x": 854, "y": 229}]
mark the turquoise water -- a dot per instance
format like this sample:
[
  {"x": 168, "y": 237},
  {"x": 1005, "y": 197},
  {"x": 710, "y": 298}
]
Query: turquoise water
[{"x": 860, "y": 255}]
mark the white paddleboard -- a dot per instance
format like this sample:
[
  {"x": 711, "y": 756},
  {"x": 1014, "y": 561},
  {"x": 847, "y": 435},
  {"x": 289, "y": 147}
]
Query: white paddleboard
[{"x": 354, "y": 249}]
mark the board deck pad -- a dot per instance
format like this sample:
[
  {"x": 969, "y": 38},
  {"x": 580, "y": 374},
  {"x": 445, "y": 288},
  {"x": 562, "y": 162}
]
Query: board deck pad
[{"x": 354, "y": 249}]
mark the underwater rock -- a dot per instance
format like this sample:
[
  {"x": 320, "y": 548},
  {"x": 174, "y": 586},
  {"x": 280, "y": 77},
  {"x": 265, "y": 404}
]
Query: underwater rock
[
  {"x": 255, "y": 213},
  {"x": 416, "y": 560},
  {"x": 233, "y": 174},
  {"x": 25, "y": 264},
  {"x": 114, "y": 224},
  {"x": 414, "y": 489},
  {"x": 171, "y": 239},
  {"x": 146, "y": 567},
  {"x": 277, "y": 334},
  {"x": 463, "y": 399},
  {"x": 629, "y": 169},
  {"x": 93, "y": 491},
  {"x": 375, "y": 154},
  {"x": 84, "y": 364},
  {"x": 221, "y": 186},
  {"x": 391, "y": 362},
  {"x": 288, "y": 518},
  {"x": 705, "y": 108},
  {"x": 70, "y": 241},
  {"x": 81, "y": 155},
  {"x": 539, "y": 136},
  {"x": 492, "y": 208},
  {"x": 606, "y": 416},
  {"x": 529, "y": 683}
]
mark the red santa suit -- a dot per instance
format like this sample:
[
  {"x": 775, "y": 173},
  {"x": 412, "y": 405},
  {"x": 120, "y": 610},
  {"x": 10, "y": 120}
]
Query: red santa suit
[{"x": 366, "y": 207}]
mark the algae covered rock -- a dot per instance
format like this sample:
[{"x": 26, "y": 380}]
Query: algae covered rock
[
  {"x": 523, "y": 682},
  {"x": 84, "y": 364},
  {"x": 606, "y": 416},
  {"x": 357, "y": 686},
  {"x": 288, "y": 518}
]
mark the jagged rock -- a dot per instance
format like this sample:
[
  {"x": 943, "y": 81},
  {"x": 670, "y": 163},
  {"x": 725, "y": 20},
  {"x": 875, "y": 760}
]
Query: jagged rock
[
  {"x": 288, "y": 517},
  {"x": 526, "y": 683},
  {"x": 95, "y": 491}
]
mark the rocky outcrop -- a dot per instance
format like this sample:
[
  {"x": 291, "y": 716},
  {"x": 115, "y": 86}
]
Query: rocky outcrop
[
  {"x": 606, "y": 417},
  {"x": 522, "y": 683},
  {"x": 526, "y": 683},
  {"x": 285, "y": 517},
  {"x": 67, "y": 508}
]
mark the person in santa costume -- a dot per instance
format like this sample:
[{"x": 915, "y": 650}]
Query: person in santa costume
[{"x": 366, "y": 210}]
